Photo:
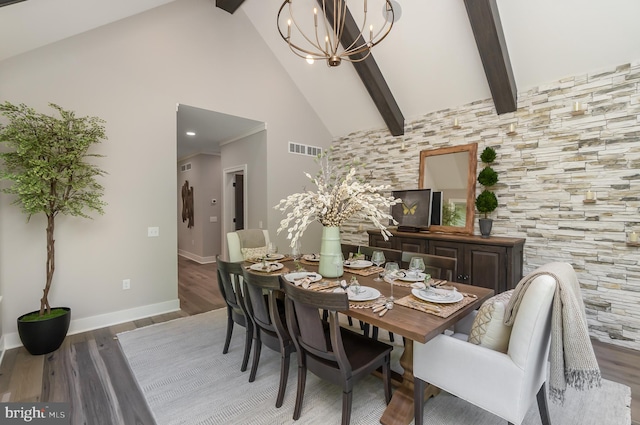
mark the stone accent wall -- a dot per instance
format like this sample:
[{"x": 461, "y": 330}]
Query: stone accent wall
[{"x": 545, "y": 171}]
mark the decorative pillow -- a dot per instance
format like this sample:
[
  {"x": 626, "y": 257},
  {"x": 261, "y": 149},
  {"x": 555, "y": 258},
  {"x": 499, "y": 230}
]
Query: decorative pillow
[
  {"x": 249, "y": 253},
  {"x": 488, "y": 329}
]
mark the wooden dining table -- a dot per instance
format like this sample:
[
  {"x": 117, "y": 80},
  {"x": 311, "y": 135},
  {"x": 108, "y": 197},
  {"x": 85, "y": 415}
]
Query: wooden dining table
[{"x": 413, "y": 325}]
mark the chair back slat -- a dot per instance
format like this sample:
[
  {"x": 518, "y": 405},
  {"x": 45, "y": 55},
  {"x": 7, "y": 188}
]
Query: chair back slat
[
  {"x": 308, "y": 326},
  {"x": 437, "y": 266},
  {"x": 389, "y": 254},
  {"x": 258, "y": 289},
  {"x": 229, "y": 275}
]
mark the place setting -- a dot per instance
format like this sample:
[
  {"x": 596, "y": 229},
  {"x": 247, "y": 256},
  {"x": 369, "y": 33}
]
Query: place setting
[
  {"x": 310, "y": 280},
  {"x": 363, "y": 267}
]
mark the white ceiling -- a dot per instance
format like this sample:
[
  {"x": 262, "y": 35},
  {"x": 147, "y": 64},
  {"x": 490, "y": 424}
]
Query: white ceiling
[{"x": 429, "y": 60}]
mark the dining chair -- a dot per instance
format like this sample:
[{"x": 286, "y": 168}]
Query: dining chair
[
  {"x": 330, "y": 352},
  {"x": 389, "y": 254},
  {"x": 437, "y": 266},
  {"x": 229, "y": 282},
  {"x": 257, "y": 239},
  {"x": 348, "y": 248},
  {"x": 503, "y": 383},
  {"x": 266, "y": 307}
]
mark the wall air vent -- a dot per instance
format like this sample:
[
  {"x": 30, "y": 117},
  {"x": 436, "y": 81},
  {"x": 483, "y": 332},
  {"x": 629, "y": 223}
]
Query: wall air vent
[
  {"x": 300, "y": 149},
  {"x": 185, "y": 167}
]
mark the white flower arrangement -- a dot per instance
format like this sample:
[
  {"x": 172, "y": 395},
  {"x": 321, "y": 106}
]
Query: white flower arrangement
[{"x": 339, "y": 197}]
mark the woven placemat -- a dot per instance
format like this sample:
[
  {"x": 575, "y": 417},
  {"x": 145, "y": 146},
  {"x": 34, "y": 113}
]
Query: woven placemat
[
  {"x": 406, "y": 284},
  {"x": 440, "y": 310},
  {"x": 365, "y": 272}
]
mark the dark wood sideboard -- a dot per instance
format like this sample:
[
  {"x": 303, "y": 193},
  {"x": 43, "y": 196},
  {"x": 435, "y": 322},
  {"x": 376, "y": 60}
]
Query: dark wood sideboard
[{"x": 494, "y": 262}]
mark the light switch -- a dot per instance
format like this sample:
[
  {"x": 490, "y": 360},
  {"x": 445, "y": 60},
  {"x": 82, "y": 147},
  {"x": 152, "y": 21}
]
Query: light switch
[{"x": 213, "y": 219}]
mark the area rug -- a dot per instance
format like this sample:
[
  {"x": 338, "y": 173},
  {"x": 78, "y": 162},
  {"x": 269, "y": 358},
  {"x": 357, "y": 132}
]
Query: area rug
[{"x": 185, "y": 379}]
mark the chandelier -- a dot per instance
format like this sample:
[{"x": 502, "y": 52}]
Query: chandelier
[{"x": 328, "y": 29}]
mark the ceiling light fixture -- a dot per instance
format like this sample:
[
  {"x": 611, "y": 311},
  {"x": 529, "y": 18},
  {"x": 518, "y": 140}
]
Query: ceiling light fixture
[
  {"x": 191, "y": 133},
  {"x": 324, "y": 44}
]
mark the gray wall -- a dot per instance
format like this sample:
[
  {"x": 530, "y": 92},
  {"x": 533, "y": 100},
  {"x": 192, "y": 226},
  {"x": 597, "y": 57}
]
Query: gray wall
[
  {"x": 202, "y": 242},
  {"x": 545, "y": 171},
  {"x": 133, "y": 73}
]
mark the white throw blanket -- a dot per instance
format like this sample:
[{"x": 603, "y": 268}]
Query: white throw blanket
[{"x": 572, "y": 360}]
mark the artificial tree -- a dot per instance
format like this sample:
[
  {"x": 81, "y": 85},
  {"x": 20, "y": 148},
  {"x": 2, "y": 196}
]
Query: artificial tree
[
  {"x": 487, "y": 201},
  {"x": 47, "y": 165}
]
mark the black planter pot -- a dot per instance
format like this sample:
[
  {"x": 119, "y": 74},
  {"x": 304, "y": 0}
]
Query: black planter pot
[
  {"x": 44, "y": 336},
  {"x": 485, "y": 226}
]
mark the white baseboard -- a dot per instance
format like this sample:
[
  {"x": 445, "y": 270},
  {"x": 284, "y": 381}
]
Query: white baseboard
[
  {"x": 85, "y": 324},
  {"x": 196, "y": 258}
]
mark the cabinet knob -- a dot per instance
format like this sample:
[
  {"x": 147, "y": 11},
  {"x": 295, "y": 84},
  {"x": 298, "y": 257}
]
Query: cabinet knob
[{"x": 460, "y": 277}]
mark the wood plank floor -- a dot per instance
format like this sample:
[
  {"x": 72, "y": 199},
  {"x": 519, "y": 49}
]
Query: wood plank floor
[{"x": 90, "y": 372}]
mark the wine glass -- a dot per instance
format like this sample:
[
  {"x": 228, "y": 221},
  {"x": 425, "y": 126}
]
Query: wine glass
[
  {"x": 390, "y": 270},
  {"x": 273, "y": 249},
  {"x": 416, "y": 266},
  {"x": 296, "y": 253},
  {"x": 377, "y": 258}
]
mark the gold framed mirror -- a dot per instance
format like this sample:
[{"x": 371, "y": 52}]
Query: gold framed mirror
[{"x": 452, "y": 171}]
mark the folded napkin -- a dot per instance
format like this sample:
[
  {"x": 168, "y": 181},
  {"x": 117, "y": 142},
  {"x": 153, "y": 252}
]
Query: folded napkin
[{"x": 305, "y": 282}]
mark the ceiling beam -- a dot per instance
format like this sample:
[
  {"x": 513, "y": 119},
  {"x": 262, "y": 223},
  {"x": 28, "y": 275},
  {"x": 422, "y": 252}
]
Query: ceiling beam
[
  {"x": 371, "y": 76},
  {"x": 229, "y": 5},
  {"x": 487, "y": 30}
]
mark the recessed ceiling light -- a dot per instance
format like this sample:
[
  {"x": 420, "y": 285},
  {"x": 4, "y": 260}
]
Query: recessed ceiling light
[{"x": 191, "y": 133}]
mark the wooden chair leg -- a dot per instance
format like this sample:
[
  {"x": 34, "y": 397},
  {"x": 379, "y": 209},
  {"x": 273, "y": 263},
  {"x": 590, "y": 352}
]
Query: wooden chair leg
[
  {"x": 284, "y": 374},
  {"x": 374, "y": 333},
  {"x": 256, "y": 359},
  {"x": 347, "y": 398},
  {"x": 227, "y": 340},
  {"x": 247, "y": 348},
  {"x": 543, "y": 407},
  {"x": 302, "y": 377},
  {"x": 418, "y": 399}
]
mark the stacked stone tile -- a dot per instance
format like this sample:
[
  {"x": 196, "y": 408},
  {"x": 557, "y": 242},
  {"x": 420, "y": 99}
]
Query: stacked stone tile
[{"x": 545, "y": 171}]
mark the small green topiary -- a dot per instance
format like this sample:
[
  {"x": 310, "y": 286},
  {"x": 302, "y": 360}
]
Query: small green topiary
[
  {"x": 488, "y": 177},
  {"x": 486, "y": 202}
]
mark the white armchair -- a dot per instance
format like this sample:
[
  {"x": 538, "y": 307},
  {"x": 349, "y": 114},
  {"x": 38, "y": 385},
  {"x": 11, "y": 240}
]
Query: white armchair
[
  {"x": 234, "y": 246},
  {"x": 502, "y": 383}
]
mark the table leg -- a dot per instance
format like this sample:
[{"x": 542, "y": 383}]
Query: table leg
[{"x": 400, "y": 409}]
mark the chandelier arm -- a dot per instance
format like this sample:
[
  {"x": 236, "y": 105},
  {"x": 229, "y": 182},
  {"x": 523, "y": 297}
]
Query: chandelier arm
[
  {"x": 330, "y": 40},
  {"x": 317, "y": 46},
  {"x": 353, "y": 47}
]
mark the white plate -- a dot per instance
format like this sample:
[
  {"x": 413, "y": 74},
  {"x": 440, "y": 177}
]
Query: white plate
[
  {"x": 366, "y": 294},
  {"x": 358, "y": 264},
  {"x": 292, "y": 277},
  {"x": 442, "y": 296},
  {"x": 410, "y": 278},
  {"x": 311, "y": 257},
  {"x": 274, "y": 257},
  {"x": 273, "y": 266}
]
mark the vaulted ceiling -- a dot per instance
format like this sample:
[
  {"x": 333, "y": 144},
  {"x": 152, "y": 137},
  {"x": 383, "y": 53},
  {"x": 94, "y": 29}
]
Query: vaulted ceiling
[{"x": 431, "y": 61}]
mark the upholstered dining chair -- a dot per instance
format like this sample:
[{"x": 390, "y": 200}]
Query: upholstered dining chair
[
  {"x": 437, "y": 266},
  {"x": 265, "y": 304},
  {"x": 246, "y": 239},
  {"x": 229, "y": 282},
  {"x": 503, "y": 383},
  {"x": 335, "y": 354}
]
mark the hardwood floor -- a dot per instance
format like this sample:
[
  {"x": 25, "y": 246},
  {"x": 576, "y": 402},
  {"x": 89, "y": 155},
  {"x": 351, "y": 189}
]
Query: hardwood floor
[{"x": 90, "y": 372}]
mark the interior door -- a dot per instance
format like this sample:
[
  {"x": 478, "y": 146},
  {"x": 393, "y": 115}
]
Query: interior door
[{"x": 239, "y": 202}]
